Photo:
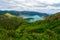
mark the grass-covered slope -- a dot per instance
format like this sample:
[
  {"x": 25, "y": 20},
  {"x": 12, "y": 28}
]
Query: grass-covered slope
[
  {"x": 15, "y": 28},
  {"x": 54, "y": 16}
]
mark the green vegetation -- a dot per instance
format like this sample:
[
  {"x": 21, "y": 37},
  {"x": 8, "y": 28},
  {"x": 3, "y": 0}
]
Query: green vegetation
[{"x": 16, "y": 28}]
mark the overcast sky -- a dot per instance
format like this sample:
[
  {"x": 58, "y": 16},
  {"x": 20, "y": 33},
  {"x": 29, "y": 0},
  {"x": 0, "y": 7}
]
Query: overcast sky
[{"x": 48, "y": 6}]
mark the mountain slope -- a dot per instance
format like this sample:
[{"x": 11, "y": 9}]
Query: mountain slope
[{"x": 55, "y": 16}]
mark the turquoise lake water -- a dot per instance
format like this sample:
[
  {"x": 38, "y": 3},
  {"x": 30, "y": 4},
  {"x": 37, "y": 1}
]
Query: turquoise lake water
[{"x": 35, "y": 18}]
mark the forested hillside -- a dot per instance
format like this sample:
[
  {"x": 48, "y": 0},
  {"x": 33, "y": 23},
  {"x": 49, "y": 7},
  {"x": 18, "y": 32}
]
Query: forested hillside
[{"x": 16, "y": 28}]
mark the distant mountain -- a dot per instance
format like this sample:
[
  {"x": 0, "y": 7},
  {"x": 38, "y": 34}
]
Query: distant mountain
[
  {"x": 29, "y": 13},
  {"x": 32, "y": 13},
  {"x": 11, "y": 12}
]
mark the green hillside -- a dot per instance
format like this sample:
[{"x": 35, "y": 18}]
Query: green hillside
[
  {"x": 54, "y": 16},
  {"x": 16, "y": 28}
]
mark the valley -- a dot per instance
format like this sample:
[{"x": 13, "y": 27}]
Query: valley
[{"x": 17, "y": 27}]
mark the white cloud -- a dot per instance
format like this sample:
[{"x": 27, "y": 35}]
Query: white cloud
[
  {"x": 30, "y": 5},
  {"x": 50, "y": 1}
]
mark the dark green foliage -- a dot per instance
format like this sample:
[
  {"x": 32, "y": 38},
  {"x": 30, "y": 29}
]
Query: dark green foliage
[
  {"x": 10, "y": 23},
  {"x": 15, "y": 28}
]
